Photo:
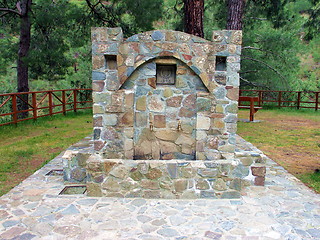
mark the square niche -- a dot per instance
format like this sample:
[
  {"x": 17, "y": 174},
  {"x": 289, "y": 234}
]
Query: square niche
[{"x": 166, "y": 74}]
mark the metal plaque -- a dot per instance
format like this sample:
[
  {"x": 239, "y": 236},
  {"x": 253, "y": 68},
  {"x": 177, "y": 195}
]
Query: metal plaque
[{"x": 166, "y": 74}]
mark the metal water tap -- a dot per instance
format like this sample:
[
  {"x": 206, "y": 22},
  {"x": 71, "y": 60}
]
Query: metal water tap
[{"x": 179, "y": 125}]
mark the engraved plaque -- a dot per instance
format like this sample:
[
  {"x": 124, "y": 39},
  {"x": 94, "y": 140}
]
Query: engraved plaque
[{"x": 166, "y": 74}]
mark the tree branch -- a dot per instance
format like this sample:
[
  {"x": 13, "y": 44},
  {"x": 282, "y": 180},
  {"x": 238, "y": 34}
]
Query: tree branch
[
  {"x": 266, "y": 64},
  {"x": 252, "y": 84},
  {"x": 8, "y": 10},
  {"x": 262, "y": 50}
]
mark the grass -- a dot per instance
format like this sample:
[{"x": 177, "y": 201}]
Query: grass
[
  {"x": 290, "y": 137},
  {"x": 29, "y": 145}
]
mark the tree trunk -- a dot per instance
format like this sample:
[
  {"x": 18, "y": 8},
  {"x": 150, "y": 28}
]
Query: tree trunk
[
  {"x": 22, "y": 65},
  {"x": 235, "y": 13},
  {"x": 193, "y": 17}
]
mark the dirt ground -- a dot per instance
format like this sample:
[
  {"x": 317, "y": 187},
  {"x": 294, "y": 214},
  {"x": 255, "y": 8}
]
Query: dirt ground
[{"x": 292, "y": 140}]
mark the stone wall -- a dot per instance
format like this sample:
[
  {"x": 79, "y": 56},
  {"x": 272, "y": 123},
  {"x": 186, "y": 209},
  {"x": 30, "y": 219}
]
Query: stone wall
[{"x": 199, "y": 110}]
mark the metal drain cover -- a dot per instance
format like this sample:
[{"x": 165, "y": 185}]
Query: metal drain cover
[{"x": 70, "y": 190}]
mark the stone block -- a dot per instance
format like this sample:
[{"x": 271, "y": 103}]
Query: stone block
[
  {"x": 159, "y": 121},
  {"x": 120, "y": 171},
  {"x": 98, "y": 86},
  {"x": 167, "y": 135},
  {"x": 110, "y": 120},
  {"x": 141, "y": 119},
  {"x": 152, "y": 82},
  {"x": 208, "y": 172},
  {"x": 174, "y": 101},
  {"x": 180, "y": 185},
  {"x": 259, "y": 181},
  {"x": 203, "y": 122},
  {"x": 167, "y": 92},
  {"x": 126, "y": 119},
  {"x": 259, "y": 171},
  {"x": 231, "y": 195},
  {"x": 78, "y": 174},
  {"x": 172, "y": 169},
  {"x": 202, "y": 184},
  {"x": 219, "y": 185},
  {"x": 108, "y": 166},
  {"x": 135, "y": 174},
  {"x": 94, "y": 189},
  {"x": 111, "y": 184},
  {"x": 97, "y": 121},
  {"x": 153, "y": 173},
  {"x": 149, "y": 184},
  {"x": 98, "y": 145}
]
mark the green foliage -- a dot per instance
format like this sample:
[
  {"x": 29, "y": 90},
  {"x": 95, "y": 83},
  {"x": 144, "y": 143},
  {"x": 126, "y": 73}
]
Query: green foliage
[{"x": 269, "y": 58}]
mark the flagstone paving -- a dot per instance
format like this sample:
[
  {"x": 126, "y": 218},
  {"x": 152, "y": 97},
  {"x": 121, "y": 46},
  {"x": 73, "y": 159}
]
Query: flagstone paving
[{"x": 283, "y": 209}]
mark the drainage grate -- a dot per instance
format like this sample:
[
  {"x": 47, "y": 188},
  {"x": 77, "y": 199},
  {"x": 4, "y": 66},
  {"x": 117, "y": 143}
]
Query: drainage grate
[
  {"x": 70, "y": 190},
  {"x": 55, "y": 172}
]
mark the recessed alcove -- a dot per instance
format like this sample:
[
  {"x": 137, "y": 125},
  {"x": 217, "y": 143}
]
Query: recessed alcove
[
  {"x": 221, "y": 63},
  {"x": 111, "y": 62}
]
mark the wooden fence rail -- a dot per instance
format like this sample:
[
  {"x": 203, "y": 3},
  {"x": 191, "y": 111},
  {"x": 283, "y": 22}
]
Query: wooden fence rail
[
  {"x": 42, "y": 103},
  {"x": 293, "y": 99}
]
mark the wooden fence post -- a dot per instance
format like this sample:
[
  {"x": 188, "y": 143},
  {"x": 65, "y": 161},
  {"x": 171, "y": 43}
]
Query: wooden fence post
[
  {"x": 14, "y": 109},
  {"x": 317, "y": 101},
  {"x": 260, "y": 98},
  {"x": 279, "y": 99},
  {"x": 299, "y": 100},
  {"x": 64, "y": 102},
  {"x": 50, "y": 103},
  {"x": 75, "y": 100},
  {"x": 34, "y": 106}
]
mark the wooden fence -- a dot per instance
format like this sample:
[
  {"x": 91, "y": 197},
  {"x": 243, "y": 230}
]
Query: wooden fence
[
  {"x": 293, "y": 99},
  {"x": 42, "y": 103}
]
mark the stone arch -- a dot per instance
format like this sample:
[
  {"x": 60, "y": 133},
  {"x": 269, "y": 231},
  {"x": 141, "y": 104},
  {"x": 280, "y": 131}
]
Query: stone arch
[{"x": 195, "y": 52}]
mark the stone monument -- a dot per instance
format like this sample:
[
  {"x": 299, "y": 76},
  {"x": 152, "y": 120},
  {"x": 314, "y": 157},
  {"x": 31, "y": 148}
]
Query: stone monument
[{"x": 165, "y": 117}]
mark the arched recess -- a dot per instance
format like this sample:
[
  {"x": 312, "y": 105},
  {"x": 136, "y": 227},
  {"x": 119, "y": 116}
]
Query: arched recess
[{"x": 194, "y": 53}]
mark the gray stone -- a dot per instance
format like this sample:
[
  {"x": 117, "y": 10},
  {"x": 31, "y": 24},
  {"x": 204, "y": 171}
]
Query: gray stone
[
  {"x": 207, "y": 172},
  {"x": 10, "y": 223},
  {"x": 144, "y": 218},
  {"x": 167, "y": 232},
  {"x": 208, "y": 194},
  {"x": 157, "y": 35},
  {"x": 172, "y": 169},
  {"x": 71, "y": 210},
  {"x": 231, "y": 195},
  {"x": 314, "y": 233},
  {"x": 98, "y": 76},
  {"x": 213, "y": 235},
  {"x": 78, "y": 174}
]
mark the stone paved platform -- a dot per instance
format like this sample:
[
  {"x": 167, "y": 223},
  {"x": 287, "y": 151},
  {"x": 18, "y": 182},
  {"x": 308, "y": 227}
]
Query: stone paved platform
[{"x": 283, "y": 209}]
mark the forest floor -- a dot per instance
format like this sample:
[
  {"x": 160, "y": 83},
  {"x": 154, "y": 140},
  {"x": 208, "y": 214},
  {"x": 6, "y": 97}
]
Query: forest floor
[{"x": 291, "y": 138}]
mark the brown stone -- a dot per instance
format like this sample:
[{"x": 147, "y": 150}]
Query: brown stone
[
  {"x": 135, "y": 174},
  {"x": 129, "y": 101},
  {"x": 168, "y": 147},
  {"x": 258, "y": 171},
  {"x": 108, "y": 166},
  {"x": 185, "y": 139},
  {"x": 109, "y": 134},
  {"x": 233, "y": 94},
  {"x": 159, "y": 121},
  {"x": 148, "y": 184},
  {"x": 184, "y": 112},
  {"x": 259, "y": 181},
  {"x": 152, "y": 82},
  {"x": 217, "y": 115},
  {"x": 174, "y": 101},
  {"x": 155, "y": 104},
  {"x": 170, "y": 37},
  {"x": 180, "y": 185},
  {"x": 98, "y": 145},
  {"x": 98, "y": 86},
  {"x": 154, "y": 173},
  {"x": 98, "y": 62},
  {"x": 127, "y": 119},
  {"x": 190, "y": 102},
  {"x": 97, "y": 121},
  {"x": 202, "y": 184},
  {"x": 166, "y": 135}
]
